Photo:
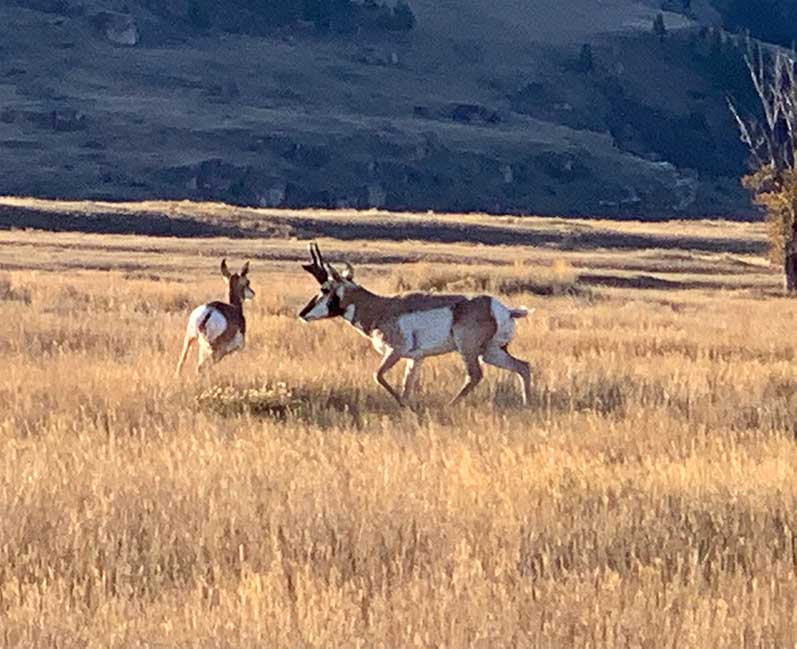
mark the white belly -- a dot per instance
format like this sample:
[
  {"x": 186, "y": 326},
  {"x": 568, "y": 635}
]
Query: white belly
[
  {"x": 215, "y": 325},
  {"x": 378, "y": 342},
  {"x": 426, "y": 333}
]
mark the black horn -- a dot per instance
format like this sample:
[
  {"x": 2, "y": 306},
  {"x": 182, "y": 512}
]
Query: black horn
[{"x": 316, "y": 269}]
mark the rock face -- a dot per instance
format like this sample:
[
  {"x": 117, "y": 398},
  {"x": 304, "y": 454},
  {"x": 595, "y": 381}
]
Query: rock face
[
  {"x": 295, "y": 118},
  {"x": 117, "y": 28}
]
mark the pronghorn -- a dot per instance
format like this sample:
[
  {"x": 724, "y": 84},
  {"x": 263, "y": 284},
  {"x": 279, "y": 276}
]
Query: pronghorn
[
  {"x": 418, "y": 325},
  {"x": 220, "y": 327}
]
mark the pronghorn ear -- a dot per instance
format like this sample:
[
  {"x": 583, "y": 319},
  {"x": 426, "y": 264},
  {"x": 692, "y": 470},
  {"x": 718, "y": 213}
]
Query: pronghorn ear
[
  {"x": 348, "y": 273},
  {"x": 245, "y": 269},
  {"x": 224, "y": 270},
  {"x": 333, "y": 272}
]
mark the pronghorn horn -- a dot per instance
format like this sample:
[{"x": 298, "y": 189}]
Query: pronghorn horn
[
  {"x": 245, "y": 269},
  {"x": 316, "y": 269},
  {"x": 224, "y": 270},
  {"x": 349, "y": 272}
]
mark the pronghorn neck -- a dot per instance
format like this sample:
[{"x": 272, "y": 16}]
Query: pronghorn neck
[
  {"x": 234, "y": 299},
  {"x": 361, "y": 308}
]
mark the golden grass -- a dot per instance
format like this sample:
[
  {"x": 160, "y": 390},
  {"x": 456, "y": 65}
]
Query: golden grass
[{"x": 646, "y": 499}]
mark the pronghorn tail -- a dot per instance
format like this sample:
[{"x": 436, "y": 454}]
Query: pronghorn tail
[
  {"x": 522, "y": 312},
  {"x": 204, "y": 322}
]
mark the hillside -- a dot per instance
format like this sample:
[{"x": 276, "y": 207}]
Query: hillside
[{"x": 479, "y": 108}]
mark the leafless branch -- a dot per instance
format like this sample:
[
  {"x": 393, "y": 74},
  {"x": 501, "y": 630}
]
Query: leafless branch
[{"x": 773, "y": 140}]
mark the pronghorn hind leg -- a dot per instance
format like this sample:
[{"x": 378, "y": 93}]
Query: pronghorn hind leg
[
  {"x": 410, "y": 377},
  {"x": 187, "y": 342},
  {"x": 206, "y": 357},
  {"x": 500, "y": 357},
  {"x": 475, "y": 374},
  {"x": 470, "y": 341},
  {"x": 388, "y": 361}
]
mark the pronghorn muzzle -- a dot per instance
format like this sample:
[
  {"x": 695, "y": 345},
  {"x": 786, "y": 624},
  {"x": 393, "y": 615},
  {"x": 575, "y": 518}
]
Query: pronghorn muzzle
[
  {"x": 325, "y": 305},
  {"x": 308, "y": 308}
]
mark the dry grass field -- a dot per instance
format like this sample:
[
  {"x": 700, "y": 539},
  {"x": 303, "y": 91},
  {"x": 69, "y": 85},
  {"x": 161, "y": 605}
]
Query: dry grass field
[{"x": 645, "y": 499}]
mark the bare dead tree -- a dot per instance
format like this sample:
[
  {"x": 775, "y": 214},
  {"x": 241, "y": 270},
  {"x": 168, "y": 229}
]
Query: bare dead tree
[{"x": 772, "y": 142}]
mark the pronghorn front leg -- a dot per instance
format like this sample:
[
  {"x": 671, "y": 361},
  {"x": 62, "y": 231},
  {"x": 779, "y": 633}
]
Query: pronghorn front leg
[
  {"x": 388, "y": 361},
  {"x": 411, "y": 377}
]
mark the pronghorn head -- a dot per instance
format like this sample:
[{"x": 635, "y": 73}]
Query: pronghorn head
[
  {"x": 238, "y": 283},
  {"x": 329, "y": 301}
]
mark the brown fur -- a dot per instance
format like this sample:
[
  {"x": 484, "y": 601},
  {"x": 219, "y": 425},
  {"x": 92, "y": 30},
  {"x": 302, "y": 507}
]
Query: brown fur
[
  {"x": 233, "y": 312},
  {"x": 472, "y": 334},
  {"x": 236, "y": 321},
  {"x": 379, "y": 313},
  {"x": 473, "y": 328}
]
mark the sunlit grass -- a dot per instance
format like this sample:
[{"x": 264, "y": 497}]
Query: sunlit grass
[{"x": 645, "y": 499}]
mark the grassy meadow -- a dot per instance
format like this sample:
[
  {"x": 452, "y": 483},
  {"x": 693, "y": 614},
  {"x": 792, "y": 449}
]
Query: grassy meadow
[{"x": 645, "y": 499}]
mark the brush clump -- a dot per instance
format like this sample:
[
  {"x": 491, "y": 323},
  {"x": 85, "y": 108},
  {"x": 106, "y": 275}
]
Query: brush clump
[{"x": 274, "y": 400}]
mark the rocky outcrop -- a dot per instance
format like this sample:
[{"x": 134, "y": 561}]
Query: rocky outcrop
[
  {"x": 56, "y": 119},
  {"x": 117, "y": 28},
  {"x": 472, "y": 114}
]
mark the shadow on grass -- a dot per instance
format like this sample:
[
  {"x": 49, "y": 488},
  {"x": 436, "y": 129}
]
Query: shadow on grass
[
  {"x": 112, "y": 222},
  {"x": 165, "y": 224},
  {"x": 324, "y": 407},
  {"x": 350, "y": 407},
  {"x": 353, "y": 408},
  {"x": 648, "y": 282},
  {"x": 449, "y": 232}
]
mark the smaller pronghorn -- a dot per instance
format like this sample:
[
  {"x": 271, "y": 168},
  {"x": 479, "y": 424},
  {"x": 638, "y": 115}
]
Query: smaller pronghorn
[
  {"x": 220, "y": 327},
  {"x": 418, "y": 325}
]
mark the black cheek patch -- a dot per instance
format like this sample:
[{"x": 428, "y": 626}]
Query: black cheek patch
[{"x": 334, "y": 306}]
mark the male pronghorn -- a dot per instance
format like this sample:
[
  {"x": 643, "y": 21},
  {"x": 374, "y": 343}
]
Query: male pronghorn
[
  {"x": 418, "y": 325},
  {"x": 220, "y": 327}
]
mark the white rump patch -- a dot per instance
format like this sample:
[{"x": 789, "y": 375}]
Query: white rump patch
[
  {"x": 215, "y": 323},
  {"x": 504, "y": 323},
  {"x": 426, "y": 333}
]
